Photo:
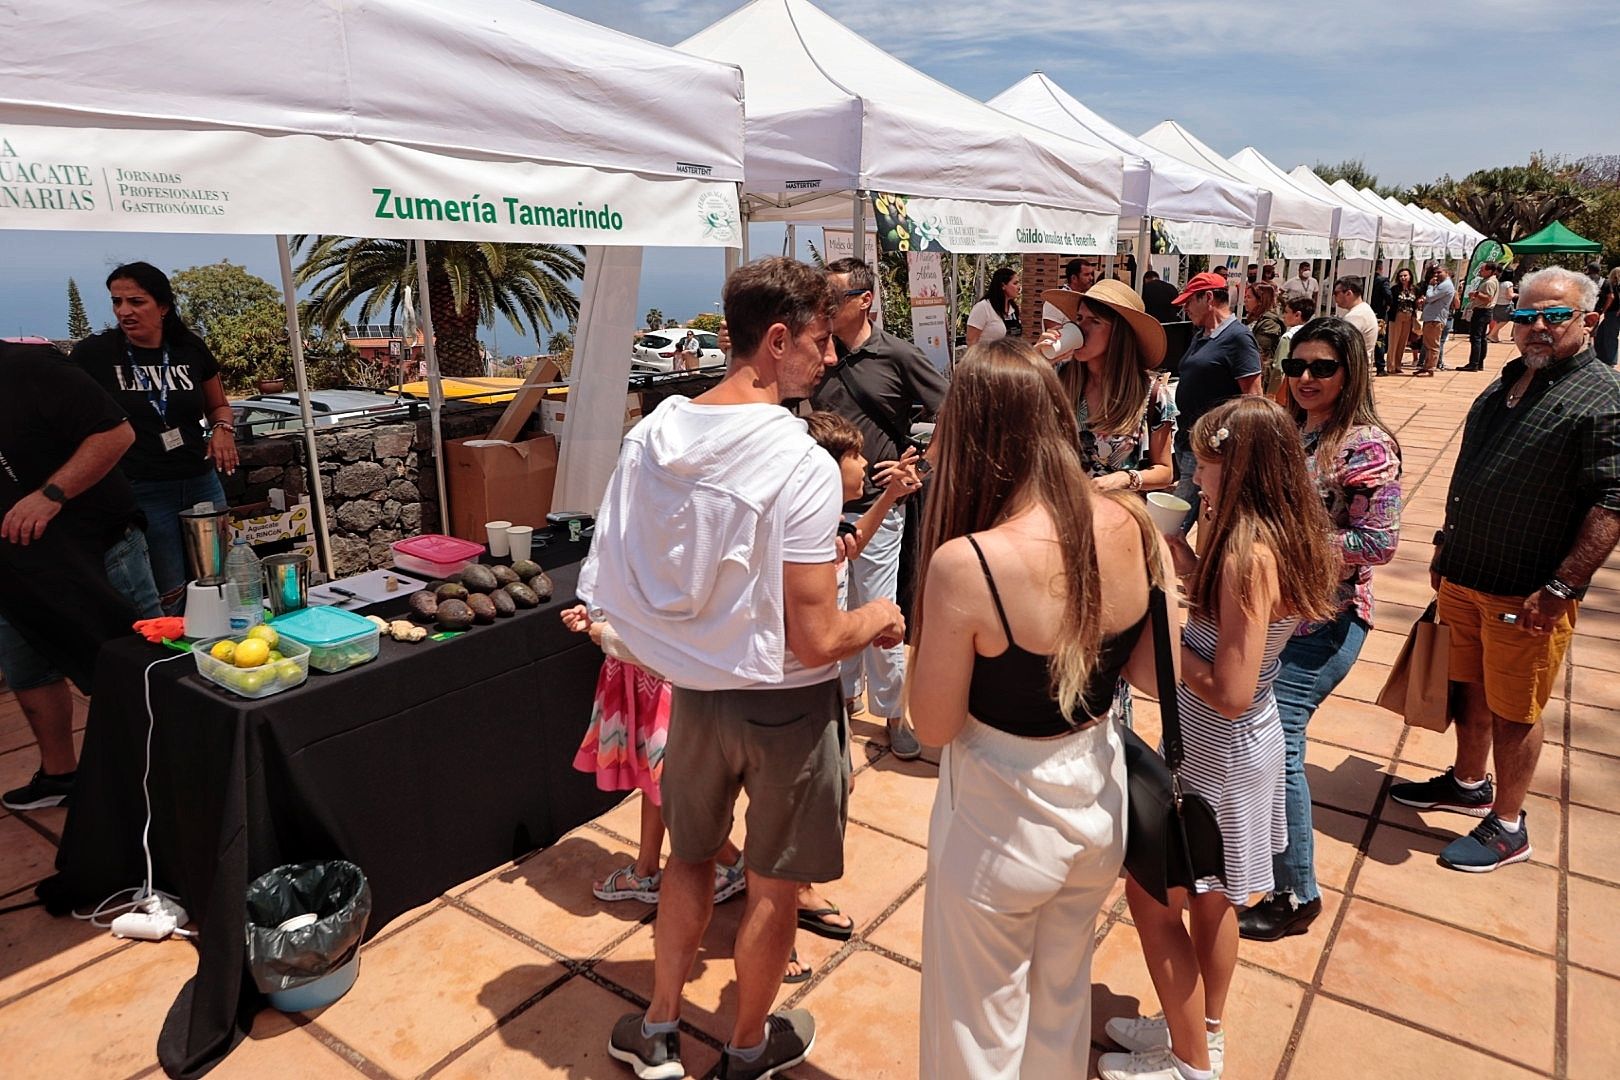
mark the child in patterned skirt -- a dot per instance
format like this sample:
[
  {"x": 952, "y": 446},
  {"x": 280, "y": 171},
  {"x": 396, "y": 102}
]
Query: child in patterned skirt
[{"x": 624, "y": 748}]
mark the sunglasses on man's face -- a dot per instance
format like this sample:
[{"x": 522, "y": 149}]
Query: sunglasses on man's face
[
  {"x": 1294, "y": 367},
  {"x": 1555, "y": 316}
]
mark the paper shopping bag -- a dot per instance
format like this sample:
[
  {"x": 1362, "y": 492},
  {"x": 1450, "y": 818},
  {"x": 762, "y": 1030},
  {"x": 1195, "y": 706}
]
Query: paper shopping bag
[{"x": 1419, "y": 685}]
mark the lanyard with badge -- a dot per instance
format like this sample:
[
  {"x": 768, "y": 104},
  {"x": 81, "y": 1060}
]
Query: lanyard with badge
[{"x": 159, "y": 397}]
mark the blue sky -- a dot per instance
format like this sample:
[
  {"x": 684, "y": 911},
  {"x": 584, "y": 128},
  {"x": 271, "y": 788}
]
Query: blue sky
[{"x": 1415, "y": 90}]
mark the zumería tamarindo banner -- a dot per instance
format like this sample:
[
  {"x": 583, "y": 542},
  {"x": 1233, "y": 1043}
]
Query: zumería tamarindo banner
[{"x": 113, "y": 180}]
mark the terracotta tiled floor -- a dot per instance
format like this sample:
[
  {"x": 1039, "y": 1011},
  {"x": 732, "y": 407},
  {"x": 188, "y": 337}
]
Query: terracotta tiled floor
[{"x": 1412, "y": 970}]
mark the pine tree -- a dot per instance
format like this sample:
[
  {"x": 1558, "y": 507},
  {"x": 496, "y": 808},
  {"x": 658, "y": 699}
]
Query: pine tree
[{"x": 78, "y": 321}]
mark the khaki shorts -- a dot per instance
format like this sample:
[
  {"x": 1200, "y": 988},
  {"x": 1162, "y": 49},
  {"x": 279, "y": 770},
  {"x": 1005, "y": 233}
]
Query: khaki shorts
[
  {"x": 787, "y": 749},
  {"x": 1516, "y": 666}
]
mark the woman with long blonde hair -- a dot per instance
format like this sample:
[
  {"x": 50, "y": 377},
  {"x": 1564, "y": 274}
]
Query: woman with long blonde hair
[
  {"x": 1266, "y": 561},
  {"x": 1034, "y": 599}
]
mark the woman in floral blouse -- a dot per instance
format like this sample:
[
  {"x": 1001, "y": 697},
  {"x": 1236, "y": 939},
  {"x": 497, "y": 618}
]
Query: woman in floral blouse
[{"x": 1356, "y": 464}]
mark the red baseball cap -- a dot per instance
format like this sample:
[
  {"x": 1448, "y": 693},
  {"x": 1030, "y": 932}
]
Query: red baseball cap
[{"x": 1206, "y": 282}]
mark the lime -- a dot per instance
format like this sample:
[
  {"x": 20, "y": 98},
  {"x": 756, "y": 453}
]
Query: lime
[
  {"x": 266, "y": 634},
  {"x": 289, "y": 673},
  {"x": 254, "y": 681},
  {"x": 275, "y": 655}
]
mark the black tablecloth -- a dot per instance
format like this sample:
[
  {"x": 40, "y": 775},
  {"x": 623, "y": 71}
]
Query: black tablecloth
[{"x": 431, "y": 764}]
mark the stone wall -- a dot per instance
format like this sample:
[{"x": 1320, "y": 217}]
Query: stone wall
[{"x": 378, "y": 480}]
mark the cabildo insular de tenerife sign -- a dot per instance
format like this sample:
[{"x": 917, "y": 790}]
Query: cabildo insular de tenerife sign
[{"x": 246, "y": 182}]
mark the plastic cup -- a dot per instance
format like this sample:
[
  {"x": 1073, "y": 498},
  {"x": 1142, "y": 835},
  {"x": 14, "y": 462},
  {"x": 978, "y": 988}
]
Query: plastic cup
[
  {"x": 1167, "y": 511},
  {"x": 518, "y": 538},
  {"x": 1069, "y": 339},
  {"x": 497, "y": 536}
]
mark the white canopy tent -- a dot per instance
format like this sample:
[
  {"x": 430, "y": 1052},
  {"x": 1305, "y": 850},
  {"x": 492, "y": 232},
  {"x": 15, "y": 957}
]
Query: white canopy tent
[
  {"x": 415, "y": 119},
  {"x": 1428, "y": 238},
  {"x": 1301, "y": 224},
  {"x": 1394, "y": 233},
  {"x": 1354, "y": 229},
  {"x": 831, "y": 117},
  {"x": 1201, "y": 212}
]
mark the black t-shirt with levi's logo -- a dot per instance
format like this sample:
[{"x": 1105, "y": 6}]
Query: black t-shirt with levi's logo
[{"x": 160, "y": 390}]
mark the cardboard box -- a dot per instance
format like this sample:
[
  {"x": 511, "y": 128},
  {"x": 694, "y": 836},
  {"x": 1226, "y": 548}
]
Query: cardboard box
[
  {"x": 554, "y": 414},
  {"x": 499, "y": 482},
  {"x": 279, "y": 532}
]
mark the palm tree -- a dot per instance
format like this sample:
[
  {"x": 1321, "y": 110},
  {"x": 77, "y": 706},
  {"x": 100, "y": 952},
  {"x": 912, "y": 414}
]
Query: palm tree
[
  {"x": 1507, "y": 203},
  {"x": 469, "y": 283}
]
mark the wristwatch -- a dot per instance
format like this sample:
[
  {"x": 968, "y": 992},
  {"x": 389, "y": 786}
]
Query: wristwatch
[{"x": 54, "y": 493}]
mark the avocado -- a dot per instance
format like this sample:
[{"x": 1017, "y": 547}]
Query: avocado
[
  {"x": 483, "y": 608},
  {"x": 454, "y": 615},
  {"x": 525, "y": 569},
  {"x": 478, "y": 578},
  {"x": 523, "y": 596},
  {"x": 541, "y": 584},
  {"x": 503, "y": 575},
  {"x": 451, "y": 591},
  {"x": 424, "y": 605},
  {"x": 505, "y": 606}
]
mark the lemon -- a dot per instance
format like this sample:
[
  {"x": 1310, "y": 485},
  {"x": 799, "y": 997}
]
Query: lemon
[
  {"x": 266, "y": 634},
  {"x": 251, "y": 653},
  {"x": 224, "y": 651}
]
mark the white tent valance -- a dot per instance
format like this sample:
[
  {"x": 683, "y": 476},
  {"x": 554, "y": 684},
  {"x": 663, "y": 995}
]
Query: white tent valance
[
  {"x": 400, "y": 118},
  {"x": 1428, "y": 238},
  {"x": 830, "y": 114}
]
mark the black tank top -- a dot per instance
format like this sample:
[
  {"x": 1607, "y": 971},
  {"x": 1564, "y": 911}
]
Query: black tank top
[{"x": 1012, "y": 692}]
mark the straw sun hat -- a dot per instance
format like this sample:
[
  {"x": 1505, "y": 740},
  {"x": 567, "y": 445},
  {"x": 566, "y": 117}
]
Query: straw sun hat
[{"x": 1123, "y": 301}]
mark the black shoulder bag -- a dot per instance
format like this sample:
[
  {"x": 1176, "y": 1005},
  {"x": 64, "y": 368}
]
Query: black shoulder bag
[{"x": 1173, "y": 837}]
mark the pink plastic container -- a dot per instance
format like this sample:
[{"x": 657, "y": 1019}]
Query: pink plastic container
[{"x": 435, "y": 554}]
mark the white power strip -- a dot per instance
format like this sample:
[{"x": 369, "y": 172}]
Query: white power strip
[{"x": 138, "y": 924}]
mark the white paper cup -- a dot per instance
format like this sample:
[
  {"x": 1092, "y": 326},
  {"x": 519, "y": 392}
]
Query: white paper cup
[
  {"x": 1167, "y": 511},
  {"x": 518, "y": 538},
  {"x": 497, "y": 536},
  {"x": 298, "y": 922},
  {"x": 1069, "y": 339}
]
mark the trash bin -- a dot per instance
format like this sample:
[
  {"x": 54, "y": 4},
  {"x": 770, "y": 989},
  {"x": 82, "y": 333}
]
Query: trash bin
[{"x": 304, "y": 925}]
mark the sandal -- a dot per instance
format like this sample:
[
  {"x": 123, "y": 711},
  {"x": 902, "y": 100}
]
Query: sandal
[
  {"x": 729, "y": 880},
  {"x": 805, "y": 971},
  {"x": 815, "y": 921},
  {"x": 623, "y": 884}
]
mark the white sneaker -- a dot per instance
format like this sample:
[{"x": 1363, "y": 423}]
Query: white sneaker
[
  {"x": 1155, "y": 1064},
  {"x": 1137, "y": 1033}
]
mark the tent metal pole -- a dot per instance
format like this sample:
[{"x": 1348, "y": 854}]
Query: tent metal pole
[
  {"x": 790, "y": 243},
  {"x": 747, "y": 256},
  {"x": 1144, "y": 251},
  {"x": 858, "y": 226},
  {"x": 435, "y": 385},
  {"x": 312, "y": 461}
]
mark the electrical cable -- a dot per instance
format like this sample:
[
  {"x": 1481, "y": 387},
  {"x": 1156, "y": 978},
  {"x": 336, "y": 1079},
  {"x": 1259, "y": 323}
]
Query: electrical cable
[{"x": 143, "y": 895}]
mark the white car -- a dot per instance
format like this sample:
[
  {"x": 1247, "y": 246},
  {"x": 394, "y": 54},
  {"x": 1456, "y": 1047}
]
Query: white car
[{"x": 656, "y": 349}]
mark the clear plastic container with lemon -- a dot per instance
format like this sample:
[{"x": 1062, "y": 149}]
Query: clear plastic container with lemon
[{"x": 255, "y": 665}]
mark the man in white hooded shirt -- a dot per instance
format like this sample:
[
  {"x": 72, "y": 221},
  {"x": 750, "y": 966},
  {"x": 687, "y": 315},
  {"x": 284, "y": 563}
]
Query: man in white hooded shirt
[{"x": 714, "y": 561}]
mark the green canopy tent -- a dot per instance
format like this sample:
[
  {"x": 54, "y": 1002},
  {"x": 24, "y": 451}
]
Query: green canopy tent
[{"x": 1553, "y": 240}]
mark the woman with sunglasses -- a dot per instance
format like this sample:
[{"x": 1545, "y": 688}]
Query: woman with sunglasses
[{"x": 1355, "y": 461}]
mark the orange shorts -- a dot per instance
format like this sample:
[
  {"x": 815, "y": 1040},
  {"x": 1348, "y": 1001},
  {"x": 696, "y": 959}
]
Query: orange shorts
[{"x": 1516, "y": 666}]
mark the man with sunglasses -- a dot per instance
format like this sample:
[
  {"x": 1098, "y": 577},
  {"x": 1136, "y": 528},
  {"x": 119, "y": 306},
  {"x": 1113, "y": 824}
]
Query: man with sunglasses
[
  {"x": 1532, "y": 512},
  {"x": 1221, "y": 362},
  {"x": 881, "y": 382}
]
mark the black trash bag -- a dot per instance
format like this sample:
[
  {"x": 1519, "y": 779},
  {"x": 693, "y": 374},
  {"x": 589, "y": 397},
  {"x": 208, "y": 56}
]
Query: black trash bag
[{"x": 335, "y": 891}]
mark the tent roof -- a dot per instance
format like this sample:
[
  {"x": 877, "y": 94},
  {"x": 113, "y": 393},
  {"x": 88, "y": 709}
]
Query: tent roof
[
  {"x": 1156, "y": 183},
  {"x": 1290, "y": 209},
  {"x": 829, "y": 111},
  {"x": 1349, "y": 222},
  {"x": 1392, "y": 229},
  {"x": 1354, "y": 208},
  {"x": 1554, "y": 238},
  {"x": 1425, "y": 233},
  {"x": 504, "y": 78}
]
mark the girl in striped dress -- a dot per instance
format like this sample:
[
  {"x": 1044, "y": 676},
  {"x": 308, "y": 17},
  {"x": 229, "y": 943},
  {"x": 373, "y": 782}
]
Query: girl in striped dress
[{"x": 1265, "y": 562}]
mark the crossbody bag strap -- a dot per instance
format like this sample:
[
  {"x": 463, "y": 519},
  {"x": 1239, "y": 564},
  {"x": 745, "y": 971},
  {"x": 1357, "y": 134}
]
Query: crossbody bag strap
[
  {"x": 1169, "y": 708},
  {"x": 871, "y": 409}
]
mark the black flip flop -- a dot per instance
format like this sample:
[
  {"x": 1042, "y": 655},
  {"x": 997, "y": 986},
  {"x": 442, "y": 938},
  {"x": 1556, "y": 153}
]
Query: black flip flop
[
  {"x": 805, "y": 970},
  {"x": 811, "y": 919}
]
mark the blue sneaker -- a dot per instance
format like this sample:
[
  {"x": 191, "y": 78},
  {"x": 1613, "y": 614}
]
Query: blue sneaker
[{"x": 1488, "y": 847}]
